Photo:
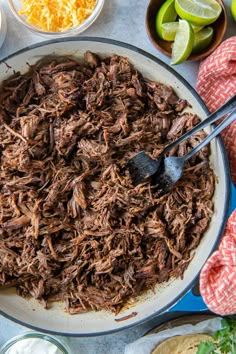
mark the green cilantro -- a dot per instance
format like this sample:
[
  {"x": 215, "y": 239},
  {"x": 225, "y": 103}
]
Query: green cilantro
[
  {"x": 206, "y": 347},
  {"x": 225, "y": 339}
]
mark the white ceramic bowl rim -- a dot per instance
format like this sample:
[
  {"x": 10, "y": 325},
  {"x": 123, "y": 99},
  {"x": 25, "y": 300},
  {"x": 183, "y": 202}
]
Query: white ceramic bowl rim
[
  {"x": 3, "y": 26},
  {"x": 58, "y": 342},
  {"x": 76, "y": 30},
  {"x": 225, "y": 206}
]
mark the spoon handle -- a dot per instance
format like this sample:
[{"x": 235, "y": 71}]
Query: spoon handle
[
  {"x": 227, "y": 107},
  {"x": 231, "y": 117}
]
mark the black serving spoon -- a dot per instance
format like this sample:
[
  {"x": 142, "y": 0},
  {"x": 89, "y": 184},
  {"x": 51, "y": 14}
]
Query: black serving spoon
[{"x": 142, "y": 166}]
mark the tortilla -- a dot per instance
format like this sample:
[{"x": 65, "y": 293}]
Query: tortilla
[{"x": 187, "y": 344}]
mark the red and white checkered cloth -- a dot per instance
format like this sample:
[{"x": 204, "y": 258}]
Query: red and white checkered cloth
[
  {"x": 218, "y": 276},
  {"x": 216, "y": 83}
]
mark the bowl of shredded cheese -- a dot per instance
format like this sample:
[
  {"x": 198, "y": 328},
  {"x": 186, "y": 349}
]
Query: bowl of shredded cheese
[{"x": 56, "y": 17}]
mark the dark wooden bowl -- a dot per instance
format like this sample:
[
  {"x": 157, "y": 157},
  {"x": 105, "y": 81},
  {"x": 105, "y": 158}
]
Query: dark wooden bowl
[{"x": 219, "y": 27}]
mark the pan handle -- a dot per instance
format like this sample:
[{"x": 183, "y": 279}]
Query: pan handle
[
  {"x": 232, "y": 205},
  {"x": 189, "y": 303}
]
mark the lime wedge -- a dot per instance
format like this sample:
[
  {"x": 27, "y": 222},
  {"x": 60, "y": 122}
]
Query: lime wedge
[
  {"x": 198, "y": 12},
  {"x": 166, "y": 13},
  {"x": 233, "y": 9},
  {"x": 202, "y": 39},
  {"x": 183, "y": 43},
  {"x": 169, "y": 30},
  {"x": 196, "y": 28}
]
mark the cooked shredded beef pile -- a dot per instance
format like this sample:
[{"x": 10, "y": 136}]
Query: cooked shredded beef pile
[{"x": 73, "y": 228}]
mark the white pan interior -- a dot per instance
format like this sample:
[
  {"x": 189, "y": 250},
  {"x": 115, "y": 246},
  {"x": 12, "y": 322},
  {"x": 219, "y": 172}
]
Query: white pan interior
[{"x": 29, "y": 312}]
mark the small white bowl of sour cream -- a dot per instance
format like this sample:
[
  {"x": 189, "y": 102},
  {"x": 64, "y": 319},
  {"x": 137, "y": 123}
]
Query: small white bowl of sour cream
[{"x": 35, "y": 342}]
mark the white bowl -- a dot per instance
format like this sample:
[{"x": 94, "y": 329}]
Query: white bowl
[
  {"x": 15, "y": 6},
  {"x": 3, "y": 26},
  {"x": 35, "y": 338}
]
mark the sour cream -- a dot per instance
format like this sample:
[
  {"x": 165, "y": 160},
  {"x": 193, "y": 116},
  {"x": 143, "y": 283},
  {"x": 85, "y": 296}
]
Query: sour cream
[{"x": 33, "y": 346}]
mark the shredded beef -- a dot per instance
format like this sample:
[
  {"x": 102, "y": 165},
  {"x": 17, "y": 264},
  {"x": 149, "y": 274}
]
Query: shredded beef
[{"x": 73, "y": 228}]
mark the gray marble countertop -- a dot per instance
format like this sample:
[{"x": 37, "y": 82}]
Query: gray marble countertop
[{"x": 123, "y": 20}]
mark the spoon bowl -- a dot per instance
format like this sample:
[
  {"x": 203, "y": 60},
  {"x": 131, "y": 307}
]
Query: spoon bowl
[{"x": 171, "y": 170}]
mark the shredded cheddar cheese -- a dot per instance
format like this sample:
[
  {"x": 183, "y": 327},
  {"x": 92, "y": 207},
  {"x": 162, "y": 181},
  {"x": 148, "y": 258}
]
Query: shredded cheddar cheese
[{"x": 56, "y": 15}]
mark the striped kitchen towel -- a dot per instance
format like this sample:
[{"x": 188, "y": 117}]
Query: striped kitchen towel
[
  {"x": 218, "y": 276},
  {"x": 215, "y": 84}
]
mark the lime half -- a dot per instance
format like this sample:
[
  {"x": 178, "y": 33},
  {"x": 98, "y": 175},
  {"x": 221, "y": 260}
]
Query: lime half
[
  {"x": 183, "y": 44},
  {"x": 169, "y": 30},
  {"x": 202, "y": 39},
  {"x": 233, "y": 9},
  {"x": 198, "y": 12},
  {"x": 166, "y": 13}
]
